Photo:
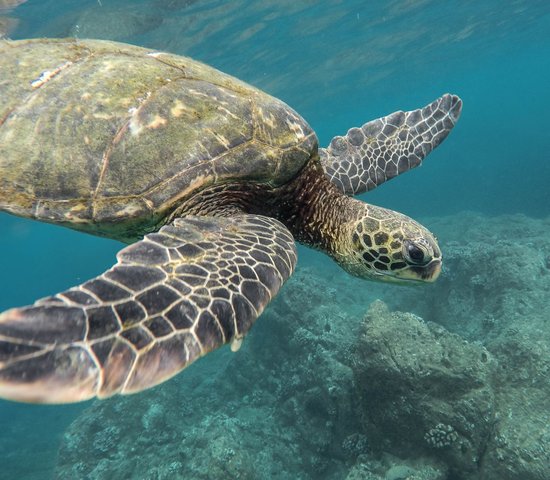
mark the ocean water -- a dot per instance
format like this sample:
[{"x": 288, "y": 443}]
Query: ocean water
[{"x": 484, "y": 191}]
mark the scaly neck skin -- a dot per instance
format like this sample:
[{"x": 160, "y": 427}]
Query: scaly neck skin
[
  {"x": 310, "y": 206},
  {"x": 315, "y": 211}
]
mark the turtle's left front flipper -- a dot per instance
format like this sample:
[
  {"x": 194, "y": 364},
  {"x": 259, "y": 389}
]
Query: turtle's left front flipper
[
  {"x": 197, "y": 284},
  {"x": 386, "y": 147}
]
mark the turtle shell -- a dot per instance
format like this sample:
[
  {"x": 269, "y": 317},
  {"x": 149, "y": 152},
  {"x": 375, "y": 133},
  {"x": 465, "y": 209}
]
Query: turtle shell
[{"x": 108, "y": 137}]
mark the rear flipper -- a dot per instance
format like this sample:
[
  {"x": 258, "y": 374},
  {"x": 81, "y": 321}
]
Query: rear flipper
[
  {"x": 386, "y": 147},
  {"x": 197, "y": 284}
]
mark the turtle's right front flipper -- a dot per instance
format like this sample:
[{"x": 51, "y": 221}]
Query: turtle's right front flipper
[
  {"x": 389, "y": 146},
  {"x": 172, "y": 297}
]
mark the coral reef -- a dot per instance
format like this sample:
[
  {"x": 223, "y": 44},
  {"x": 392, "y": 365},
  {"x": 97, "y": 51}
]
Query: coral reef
[
  {"x": 496, "y": 276},
  {"x": 279, "y": 408},
  {"x": 424, "y": 391},
  {"x": 453, "y": 387}
]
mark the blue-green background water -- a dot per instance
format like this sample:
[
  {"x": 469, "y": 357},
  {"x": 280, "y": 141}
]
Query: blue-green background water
[{"x": 338, "y": 63}]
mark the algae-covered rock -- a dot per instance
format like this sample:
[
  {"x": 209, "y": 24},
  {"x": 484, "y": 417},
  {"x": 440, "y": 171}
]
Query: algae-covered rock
[
  {"x": 520, "y": 444},
  {"x": 424, "y": 390},
  {"x": 495, "y": 289},
  {"x": 519, "y": 447},
  {"x": 496, "y": 275}
]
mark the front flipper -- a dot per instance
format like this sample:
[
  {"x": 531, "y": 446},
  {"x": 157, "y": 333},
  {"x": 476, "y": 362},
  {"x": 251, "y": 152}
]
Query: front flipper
[
  {"x": 384, "y": 148},
  {"x": 197, "y": 284}
]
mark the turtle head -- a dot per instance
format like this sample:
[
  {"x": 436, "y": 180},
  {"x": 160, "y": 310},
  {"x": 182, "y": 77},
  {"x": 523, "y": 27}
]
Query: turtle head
[{"x": 388, "y": 246}]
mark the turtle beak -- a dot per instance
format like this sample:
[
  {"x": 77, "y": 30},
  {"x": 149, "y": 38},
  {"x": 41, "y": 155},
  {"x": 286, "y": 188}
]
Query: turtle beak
[
  {"x": 431, "y": 271},
  {"x": 418, "y": 274}
]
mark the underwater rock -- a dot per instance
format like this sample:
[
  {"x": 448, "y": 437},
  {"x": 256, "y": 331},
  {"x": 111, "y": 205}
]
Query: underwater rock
[
  {"x": 157, "y": 436},
  {"x": 424, "y": 390},
  {"x": 496, "y": 275},
  {"x": 519, "y": 447},
  {"x": 495, "y": 288},
  {"x": 484, "y": 412}
]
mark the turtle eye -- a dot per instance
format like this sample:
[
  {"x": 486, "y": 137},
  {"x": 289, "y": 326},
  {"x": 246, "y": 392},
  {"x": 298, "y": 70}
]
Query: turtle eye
[{"x": 416, "y": 253}]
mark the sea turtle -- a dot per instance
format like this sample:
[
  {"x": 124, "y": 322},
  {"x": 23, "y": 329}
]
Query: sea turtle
[{"x": 210, "y": 180}]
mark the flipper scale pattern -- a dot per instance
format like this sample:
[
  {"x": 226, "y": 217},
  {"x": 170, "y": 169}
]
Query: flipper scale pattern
[
  {"x": 386, "y": 147},
  {"x": 171, "y": 298}
]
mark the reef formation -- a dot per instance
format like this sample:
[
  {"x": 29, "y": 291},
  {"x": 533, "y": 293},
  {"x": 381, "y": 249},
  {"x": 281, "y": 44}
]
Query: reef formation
[{"x": 445, "y": 382}]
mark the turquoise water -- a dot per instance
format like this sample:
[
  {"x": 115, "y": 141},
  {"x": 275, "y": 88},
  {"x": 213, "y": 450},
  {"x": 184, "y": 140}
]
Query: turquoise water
[{"x": 338, "y": 63}]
